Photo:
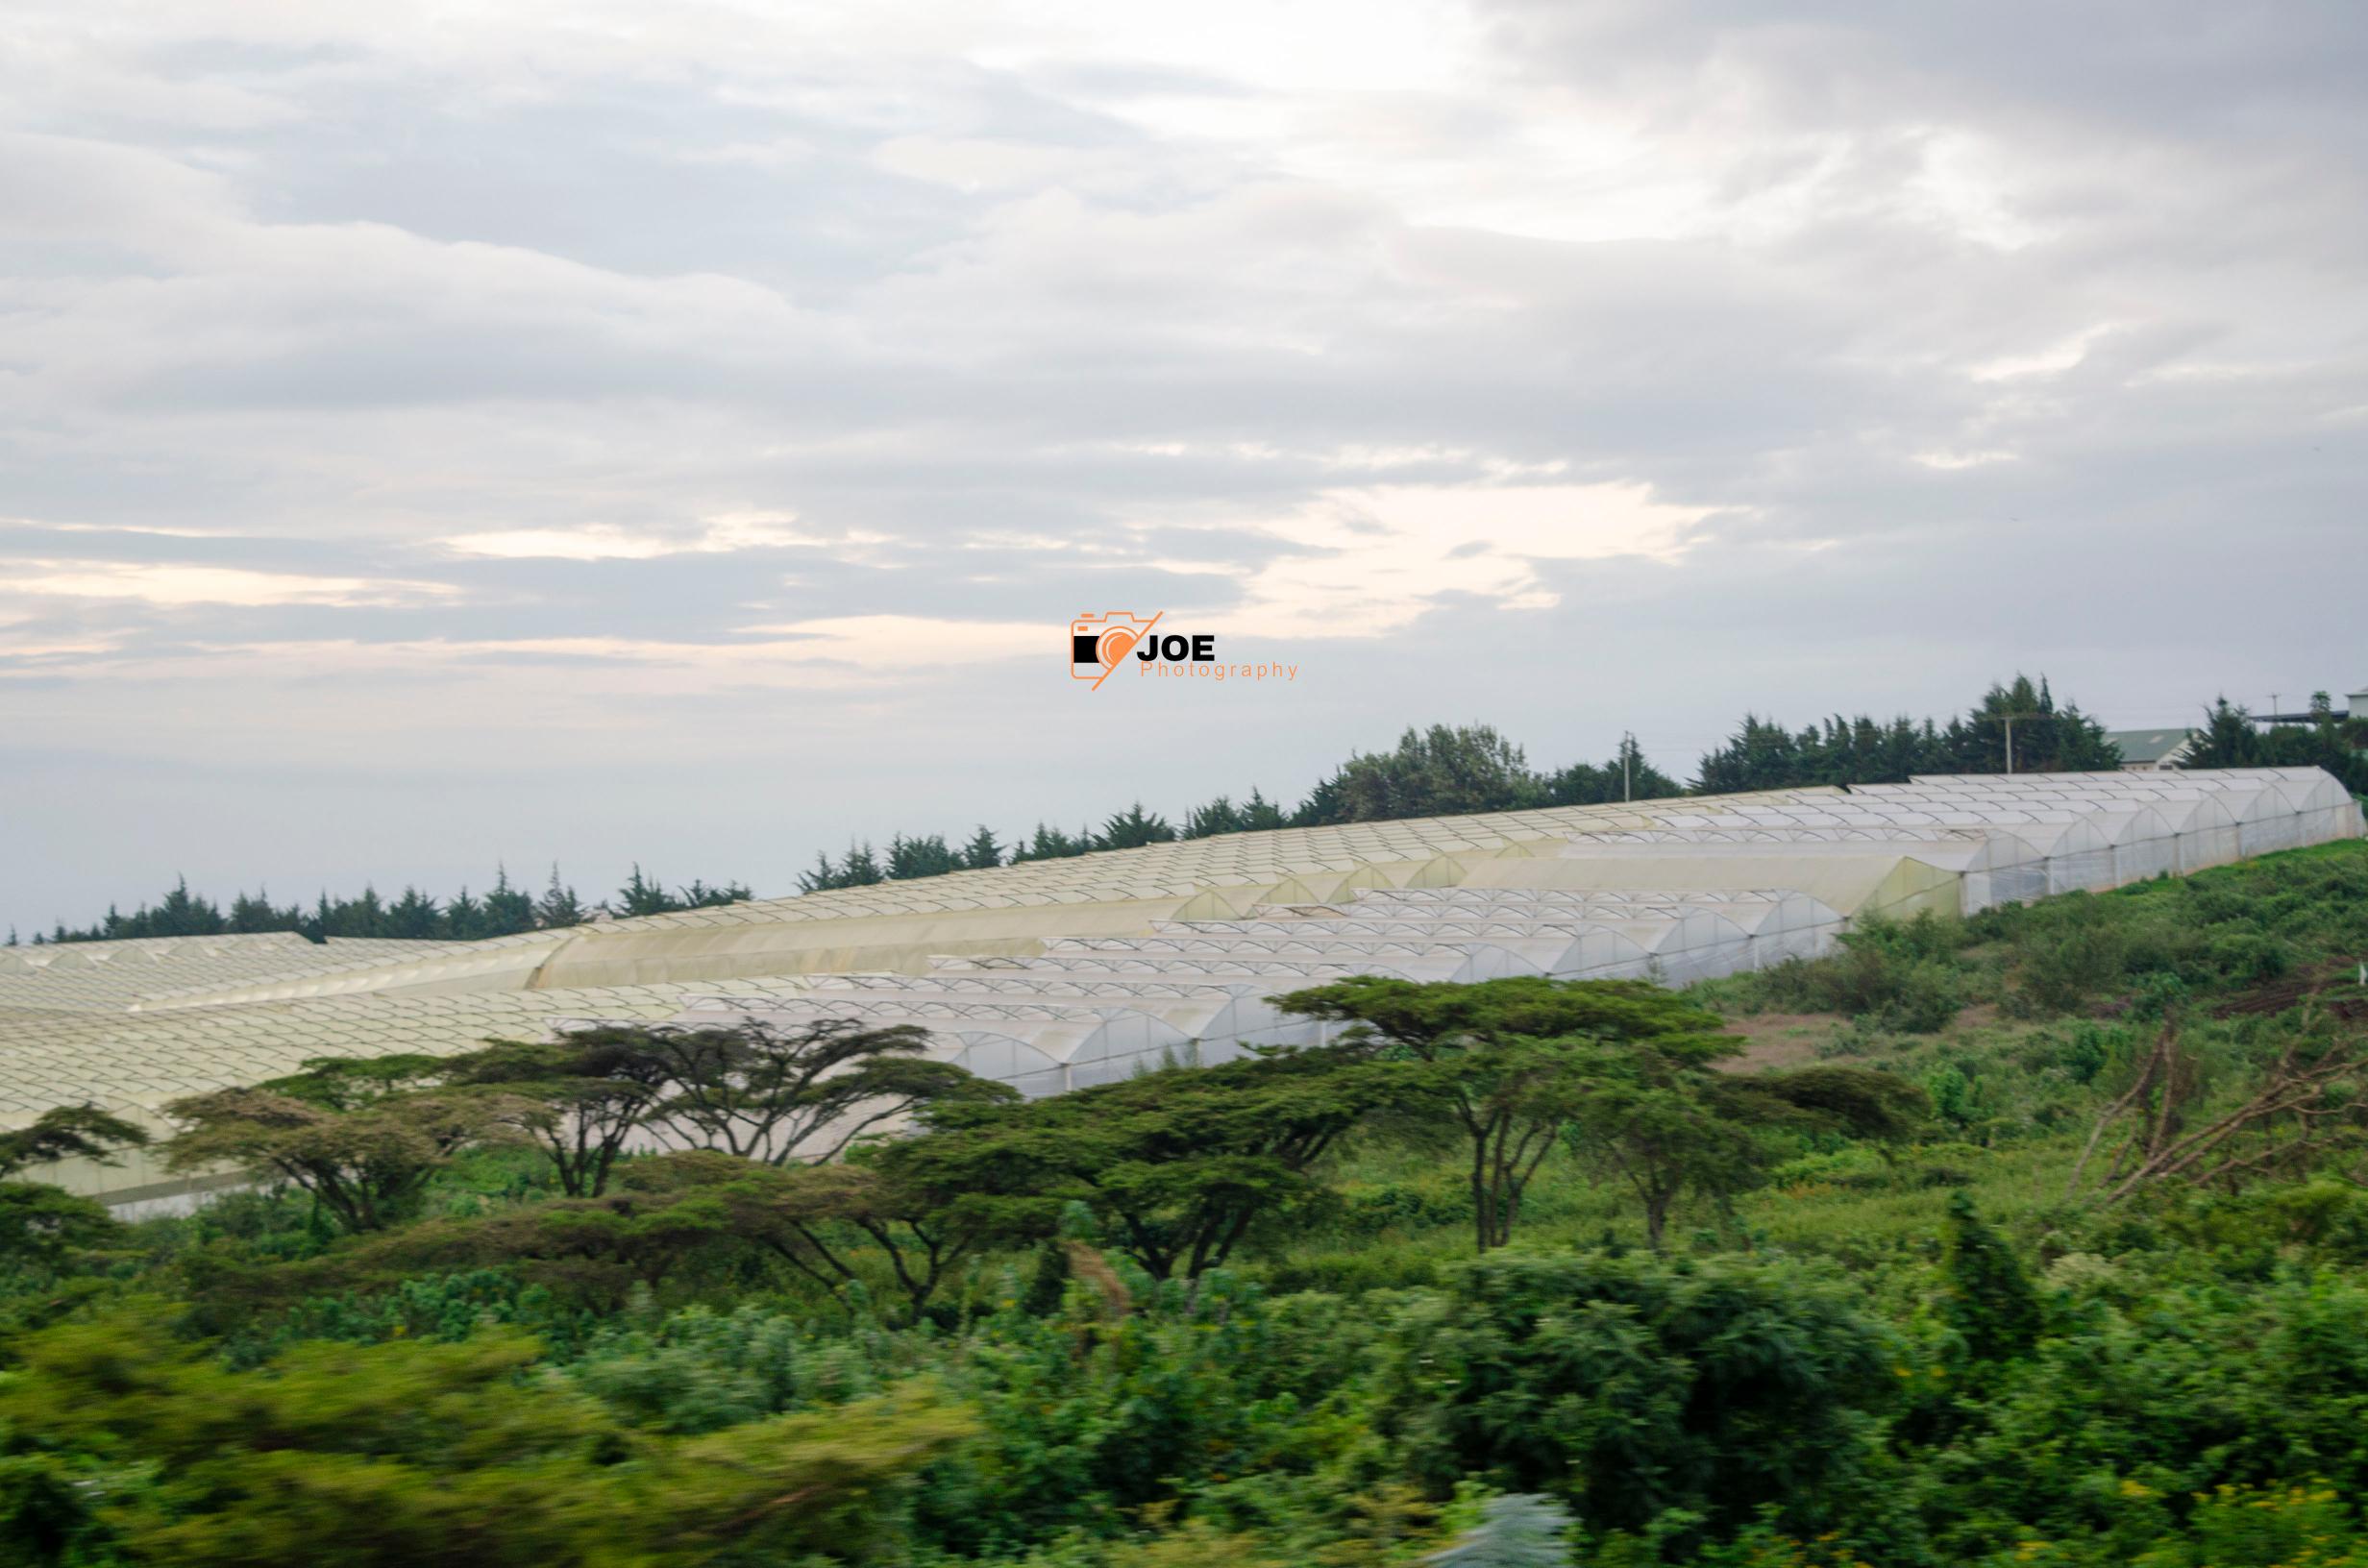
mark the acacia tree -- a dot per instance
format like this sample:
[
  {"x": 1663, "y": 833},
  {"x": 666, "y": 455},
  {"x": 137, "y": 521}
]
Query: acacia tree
[
  {"x": 67, "y": 1132},
  {"x": 1621, "y": 1072},
  {"x": 806, "y": 1092},
  {"x": 1177, "y": 1166},
  {"x": 366, "y": 1166},
  {"x": 1660, "y": 1118},
  {"x": 807, "y": 1215},
  {"x": 1508, "y": 1059},
  {"x": 42, "y": 1221},
  {"x": 582, "y": 1096}
]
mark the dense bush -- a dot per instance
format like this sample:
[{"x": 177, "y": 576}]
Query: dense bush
[{"x": 1640, "y": 1391}]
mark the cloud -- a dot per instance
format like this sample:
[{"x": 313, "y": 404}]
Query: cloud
[
  {"x": 1366, "y": 561},
  {"x": 469, "y": 386},
  {"x": 178, "y": 585},
  {"x": 606, "y": 542}
]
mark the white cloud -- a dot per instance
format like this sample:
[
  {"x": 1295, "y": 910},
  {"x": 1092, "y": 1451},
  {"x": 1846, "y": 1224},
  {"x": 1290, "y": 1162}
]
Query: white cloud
[
  {"x": 1363, "y": 562},
  {"x": 909, "y": 332},
  {"x": 175, "y": 585},
  {"x": 722, "y": 535}
]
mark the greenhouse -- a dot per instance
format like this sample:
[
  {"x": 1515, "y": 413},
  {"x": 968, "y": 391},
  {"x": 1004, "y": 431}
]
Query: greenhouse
[{"x": 1054, "y": 974}]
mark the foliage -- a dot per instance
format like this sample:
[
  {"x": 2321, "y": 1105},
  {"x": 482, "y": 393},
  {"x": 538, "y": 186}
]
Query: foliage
[
  {"x": 1227, "y": 1317},
  {"x": 1620, "y": 1070},
  {"x": 67, "y": 1132},
  {"x": 806, "y": 1091},
  {"x": 584, "y": 1094},
  {"x": 1896, "y": 974},
  {"x": 2231, "y": 738},
  {"x": 367, "y": 1168},
  {"x": 2047, "y": 739},
  {"x": 404, "y": 1453},
  {"x": 1989, "y": 1298},
  {"x": 1636, "y": 1390},
  {"x": 503, "y": 909},
  {"x": 1177, "y": 1165},
  {"x": 1512, "y": 1060},
  {"x": 45, "y": 1224},
  {"x": 1436, "y": 772}
]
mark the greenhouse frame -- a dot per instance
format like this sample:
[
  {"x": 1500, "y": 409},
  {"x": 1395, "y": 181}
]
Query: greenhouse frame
[{"x": 1058, "y": 974}]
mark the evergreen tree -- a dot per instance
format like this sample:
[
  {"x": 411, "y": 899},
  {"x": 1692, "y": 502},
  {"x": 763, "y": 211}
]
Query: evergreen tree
[
  {"x": 927, "y": 856},
  {"x": 822, "y": 878},
  {"x": 2048, "y": 738},
  {"x": 1051, "y": 844},
  {"x": 558, "y": 908},
  {"x": 464, "y": 918},
  {"x": 2231, "y": 737},
  {"x": 414, "y": 915},
  {"x": 983, "y": 853},
  {"x": 508, "y": 910},
  {"x": 1133, "y": 828},
  {"x": 1989, "y": 1300},
  {"x": 179, "y": 913},
  {"x": 1627, "y": 776},
  {"x": 252, "y": 913},
  {"x": 1441, "y": 771},
  {"x": 1323, "y": 805},
  {"x": 1218, "y": 816},
  {"x": 1261, "y": 815},
  {"x": 642, "y": 897}
]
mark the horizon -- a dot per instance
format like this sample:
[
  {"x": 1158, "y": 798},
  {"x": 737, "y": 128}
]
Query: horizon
[{"x": 685, "y": 434}]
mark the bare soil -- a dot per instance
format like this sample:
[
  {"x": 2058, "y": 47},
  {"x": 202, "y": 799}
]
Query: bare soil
[{"x": 1780, "y": 1039}]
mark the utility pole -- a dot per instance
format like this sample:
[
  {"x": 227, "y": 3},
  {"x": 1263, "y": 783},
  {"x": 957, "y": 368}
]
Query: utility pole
[
  {"x": 2008, "y": 720},
  {"x": 1627, "y": 750}
]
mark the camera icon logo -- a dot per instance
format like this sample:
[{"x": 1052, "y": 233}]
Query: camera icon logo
[{"x": 1096, "y": 643}]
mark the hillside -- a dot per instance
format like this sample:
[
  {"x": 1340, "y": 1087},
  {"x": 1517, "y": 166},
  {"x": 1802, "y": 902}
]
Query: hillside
[{"x": 1921, "y": 1342}]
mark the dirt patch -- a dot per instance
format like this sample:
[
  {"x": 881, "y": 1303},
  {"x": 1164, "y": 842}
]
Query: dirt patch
[
  {"x": 1780, "y": 1039},
  {"x": 2340, "y": 982}
]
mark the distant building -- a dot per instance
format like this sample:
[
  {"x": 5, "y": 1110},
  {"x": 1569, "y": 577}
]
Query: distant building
[{"x": 2152, "y": 750}]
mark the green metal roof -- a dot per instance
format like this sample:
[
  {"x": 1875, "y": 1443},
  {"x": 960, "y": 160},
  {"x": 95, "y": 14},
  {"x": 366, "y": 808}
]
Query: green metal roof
[{"x": 2147, "y": 745}]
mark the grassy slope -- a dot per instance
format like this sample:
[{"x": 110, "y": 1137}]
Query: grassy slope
[{"x": 2017, "y": 1004}]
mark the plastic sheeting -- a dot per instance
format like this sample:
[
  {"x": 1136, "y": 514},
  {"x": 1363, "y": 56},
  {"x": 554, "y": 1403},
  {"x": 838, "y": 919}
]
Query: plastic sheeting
[{"x": 1056, "y": 973}]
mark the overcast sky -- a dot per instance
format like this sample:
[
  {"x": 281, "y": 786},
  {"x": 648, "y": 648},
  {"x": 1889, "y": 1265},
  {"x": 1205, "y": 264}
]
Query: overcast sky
[{"x": 594, "y": 432}]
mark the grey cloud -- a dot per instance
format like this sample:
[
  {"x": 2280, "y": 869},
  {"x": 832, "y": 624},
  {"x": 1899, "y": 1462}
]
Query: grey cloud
[{"x": 1985, "y": 335}]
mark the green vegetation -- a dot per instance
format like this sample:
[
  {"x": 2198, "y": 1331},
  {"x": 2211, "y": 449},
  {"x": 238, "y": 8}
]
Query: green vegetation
[
  {"x": 2229, "y": 737},
  {"x": 504, "y": 910},
  {"x": 2036, "y": 1238},
  {"x": 1861, "y": 751}
]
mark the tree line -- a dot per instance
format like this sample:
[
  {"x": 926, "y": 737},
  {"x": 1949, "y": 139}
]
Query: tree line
[
  {"x": 2231, "y": 738},
  {"x": 1453, "y": 771},
  {"x": 504, "y": 909},
  {"x": 771, "y": 1131},
  {"x": 1444, "y": 771}
]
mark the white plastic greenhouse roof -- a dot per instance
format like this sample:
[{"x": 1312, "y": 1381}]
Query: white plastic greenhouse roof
[{"x": 1058, "y": 974}]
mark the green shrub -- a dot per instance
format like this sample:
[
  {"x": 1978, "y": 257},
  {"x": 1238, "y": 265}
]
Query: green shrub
[{"x": 1633, "y": 1389}]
